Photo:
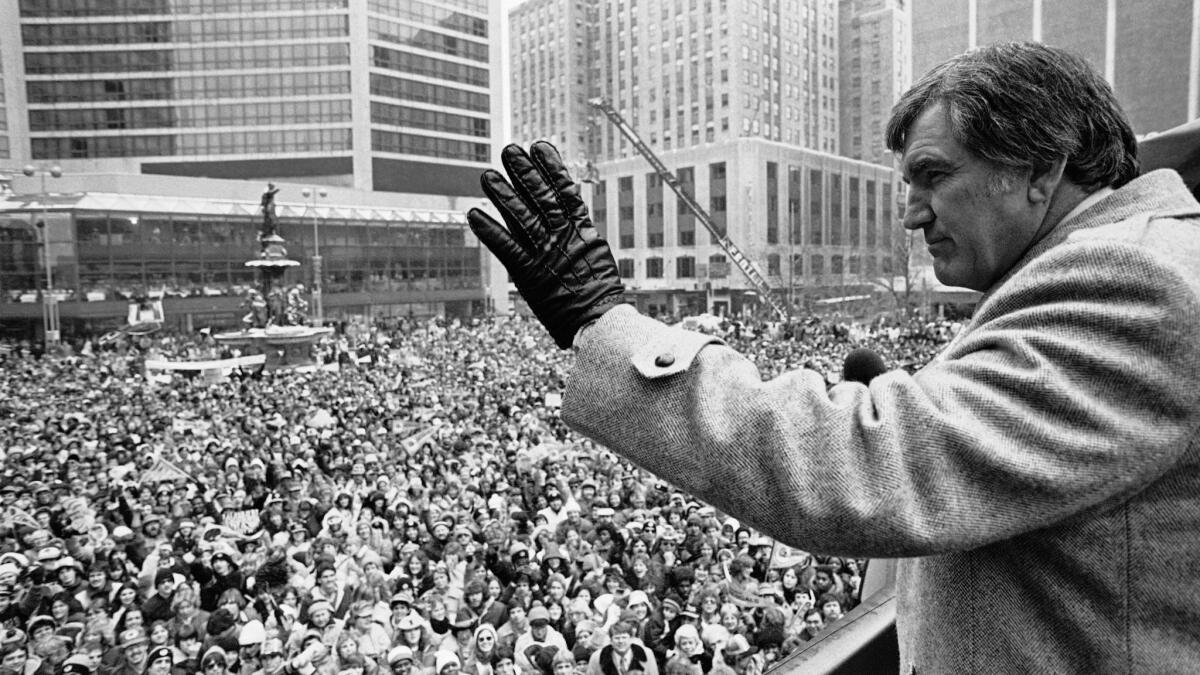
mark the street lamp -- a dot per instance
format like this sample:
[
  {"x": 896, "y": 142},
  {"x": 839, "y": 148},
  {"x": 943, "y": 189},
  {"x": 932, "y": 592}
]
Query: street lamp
[
  {"x": 50, "y": 323},
  {"x": 311, "y": 194}
]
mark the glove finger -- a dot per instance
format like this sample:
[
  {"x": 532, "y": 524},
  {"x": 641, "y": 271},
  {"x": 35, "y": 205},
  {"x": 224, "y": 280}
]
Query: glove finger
[
  {"x": 533, "y": 187},
  {"x": 511, "y": 207},
  {"x": 500, "y": 242},
  {"x": 566, "y": 190}
]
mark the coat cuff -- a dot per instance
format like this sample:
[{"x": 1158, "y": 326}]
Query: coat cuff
[{"x": 664, "y": 351}]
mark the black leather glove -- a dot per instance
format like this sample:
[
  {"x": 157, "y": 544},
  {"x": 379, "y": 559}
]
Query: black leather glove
[{"x": 561, "y": 266}]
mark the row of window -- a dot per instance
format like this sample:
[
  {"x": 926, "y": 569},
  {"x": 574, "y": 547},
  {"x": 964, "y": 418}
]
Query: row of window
[
  {"x": 205, "y": 58},
  {"x": 427, "y": 12},
  {"x": 221, "y": 233},
  {"x": 432, "y": 120},
  {"x": 824, "y": 196},
  {"x": 424, "y": 92},
  {"x": 416, "y": 64},
  {"x": 428, "y": 146},
  {"x": 204, "y": 87},
  {"x": 272, "y": 113},
  {"x": 61, "y": 8},
  {"x": 200, "y": 30},
  {"x": 103, "y": 281},
  {"x": 228, "y": 143},
  {"x": 718, "y": 268},
  {"x": 423, "y": 38}
]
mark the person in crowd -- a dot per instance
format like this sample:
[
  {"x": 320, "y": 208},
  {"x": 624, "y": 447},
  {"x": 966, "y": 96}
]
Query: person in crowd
[
  {"x": 622, "y": 655},
  {"x": 539, "y": 632}
]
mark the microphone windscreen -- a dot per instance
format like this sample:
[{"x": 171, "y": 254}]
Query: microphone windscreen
[{"x": 862, "y": 365}]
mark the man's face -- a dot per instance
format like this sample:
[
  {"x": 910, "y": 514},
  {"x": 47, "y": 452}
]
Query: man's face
[
  {"x": 977, "y": 218},
  {"x": 14, "y": 662},
  {"x": 539, "y": 630},
  {"x": 814, "y": 623},
  {"x": 136, "y": 654},
  {"x": 328, "y": 581},
  {"x": 621, "y": 641}
]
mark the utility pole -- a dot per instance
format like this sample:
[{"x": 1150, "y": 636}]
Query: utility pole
[
  {"x": 318, "y": 307},
  {"x": 50, "y": 318}
]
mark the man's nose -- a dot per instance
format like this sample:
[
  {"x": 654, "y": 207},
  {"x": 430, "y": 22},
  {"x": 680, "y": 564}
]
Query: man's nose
[{"x": 917, "y": 212}]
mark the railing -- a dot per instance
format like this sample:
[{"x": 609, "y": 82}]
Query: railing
[{"x": 862, "y": 641}]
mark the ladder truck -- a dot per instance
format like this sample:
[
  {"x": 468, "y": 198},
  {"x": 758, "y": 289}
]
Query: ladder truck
[{"x": 735, "y": 254}]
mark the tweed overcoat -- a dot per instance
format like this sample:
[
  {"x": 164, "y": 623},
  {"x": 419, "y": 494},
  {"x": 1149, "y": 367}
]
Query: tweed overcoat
[{"x": 1040, "y": 477}]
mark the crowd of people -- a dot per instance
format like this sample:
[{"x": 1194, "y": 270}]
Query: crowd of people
[{"x": 420, "y": 510}]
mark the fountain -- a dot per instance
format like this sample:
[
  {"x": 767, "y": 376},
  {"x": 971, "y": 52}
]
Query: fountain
[{"x": 274, "y": 324}]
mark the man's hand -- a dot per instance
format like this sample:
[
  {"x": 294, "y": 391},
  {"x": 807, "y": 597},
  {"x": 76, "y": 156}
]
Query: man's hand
[{"x": 561, "y": 266}]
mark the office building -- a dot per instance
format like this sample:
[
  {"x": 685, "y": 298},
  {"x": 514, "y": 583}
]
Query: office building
[
  {"x": 1146, "y": 50},
  {"x": 551, "y": 44},
  {"x": 741, "y": 100},
  {"x": 684, "y": 73},
  {"x": 102, "y": 240},
  {"x": 396, "y": 95},
  {"x": 875, "y": 69},
  {"x": 816, "y": 225}
]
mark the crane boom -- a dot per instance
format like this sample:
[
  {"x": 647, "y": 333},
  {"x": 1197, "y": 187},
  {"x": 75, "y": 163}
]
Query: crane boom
[{"x": 735, "y": 254}]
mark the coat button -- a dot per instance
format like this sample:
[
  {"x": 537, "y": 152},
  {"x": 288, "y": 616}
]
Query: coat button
[{"x": 664, "y": 360}]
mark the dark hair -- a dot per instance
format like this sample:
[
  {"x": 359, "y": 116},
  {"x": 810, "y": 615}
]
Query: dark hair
[{"x": 1024, "y": 104}]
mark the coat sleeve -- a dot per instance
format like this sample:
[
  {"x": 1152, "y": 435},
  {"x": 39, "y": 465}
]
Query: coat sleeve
[{"x": 1072, "y": 389}]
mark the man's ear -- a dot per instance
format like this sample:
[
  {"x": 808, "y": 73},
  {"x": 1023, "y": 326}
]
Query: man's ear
[{"x": 1044, "y": 180}]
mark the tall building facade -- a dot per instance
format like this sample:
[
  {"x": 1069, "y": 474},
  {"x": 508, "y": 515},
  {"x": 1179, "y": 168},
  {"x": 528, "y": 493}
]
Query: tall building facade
[
  {"x": 396, "y": 95},
  {"x": 816, "y": 225},
  {"x": 550, "y": 43},
  {"x": 1147, "y": 51},
  {"x": 876, "y": 68},
  {"x": 741, "y": 100},
  {"x": 684, "y": 73}
]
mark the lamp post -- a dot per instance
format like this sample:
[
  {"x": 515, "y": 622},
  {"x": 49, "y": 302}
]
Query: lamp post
[
  {"x": 50, "y": 322},
  {"x": 311, "y": 194}
]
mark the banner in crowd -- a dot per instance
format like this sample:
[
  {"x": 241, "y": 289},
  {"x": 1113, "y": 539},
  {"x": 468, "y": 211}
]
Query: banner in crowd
[
  {"x": 786, "y": 556},
  {"x": 414, "y": 442},
  {"x": 164, "y": 471},
  {"x": 243, "y": 522},
  {"x": 18, "y": 516},
  {"x": 77, "y": 514},
  {"x": 195, "y": 427},
  {"x": 215, "y": 364}
]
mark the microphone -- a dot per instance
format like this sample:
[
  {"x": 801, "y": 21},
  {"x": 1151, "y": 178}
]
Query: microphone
[{"x": 862, "y": 365}]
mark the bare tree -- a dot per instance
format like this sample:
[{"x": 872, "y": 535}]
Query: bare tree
[{"x": 900, "y": 279}]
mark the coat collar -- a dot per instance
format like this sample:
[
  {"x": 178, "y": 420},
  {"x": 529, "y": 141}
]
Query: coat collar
[{"x": 1159, "y": 192}]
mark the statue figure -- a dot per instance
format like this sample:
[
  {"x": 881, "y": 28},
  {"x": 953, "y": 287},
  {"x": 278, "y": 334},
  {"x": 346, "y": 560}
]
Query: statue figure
[
  {"x": 268, "y": 210},
  {"x": 256, "y": 306},
  {"x": 277, "y": 307},
  {"x": 297, "y": 306}
]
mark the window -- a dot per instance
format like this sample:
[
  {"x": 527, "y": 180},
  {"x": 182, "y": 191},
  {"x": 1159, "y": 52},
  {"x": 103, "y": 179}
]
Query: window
[
  {"x": 625, "y": 268},
  {"x": 654, "y": 268},
  {"x": 685, "y": 267}
]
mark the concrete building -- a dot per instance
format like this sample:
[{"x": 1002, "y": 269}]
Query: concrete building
[
  {"x": 684, "y": 73},
  {"x": 1148, "y": 51},
  {"x": 100, "y": 241},
  {"x": 396, "y": 95},
  {"x": 740, "y": 99},
  {"x": 876, "y": 68},
  {"x": 551, "y": 69},
  {"x": 817, "y": 225}
]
